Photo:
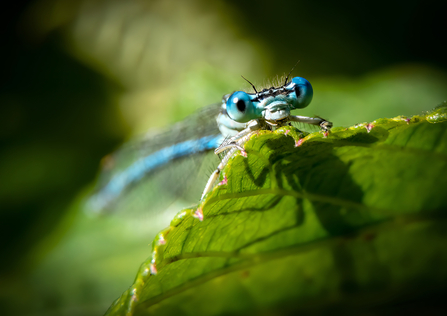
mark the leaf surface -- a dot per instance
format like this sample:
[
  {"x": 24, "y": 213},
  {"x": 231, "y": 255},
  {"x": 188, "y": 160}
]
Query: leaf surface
[{"x": 311, "y": 225}]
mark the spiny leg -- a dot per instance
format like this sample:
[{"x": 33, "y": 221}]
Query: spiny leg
[
  {"x": 324, "y": 125},
  {"x": 233, "y": 147}
]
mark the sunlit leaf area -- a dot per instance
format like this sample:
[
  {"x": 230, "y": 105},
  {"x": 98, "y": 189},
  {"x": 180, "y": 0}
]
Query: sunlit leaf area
[
  {"x": 348, "y": 224},
  {"x": 315, "y": 219}
]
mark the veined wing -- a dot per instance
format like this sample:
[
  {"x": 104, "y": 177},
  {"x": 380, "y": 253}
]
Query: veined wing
[{"x": 139, "y": 176}]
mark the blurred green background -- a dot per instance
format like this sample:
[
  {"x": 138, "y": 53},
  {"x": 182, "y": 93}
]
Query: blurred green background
[{"x": 80, "y": 77}]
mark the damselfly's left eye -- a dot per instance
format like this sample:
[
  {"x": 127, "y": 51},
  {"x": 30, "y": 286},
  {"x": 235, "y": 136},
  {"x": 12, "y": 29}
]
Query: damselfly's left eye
[
  {"x": 240, "y": 107},
  {"x": 303, "y": 92}
]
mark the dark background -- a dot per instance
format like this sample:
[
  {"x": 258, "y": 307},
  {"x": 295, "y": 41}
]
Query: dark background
[{"x": 59, "y": 112}]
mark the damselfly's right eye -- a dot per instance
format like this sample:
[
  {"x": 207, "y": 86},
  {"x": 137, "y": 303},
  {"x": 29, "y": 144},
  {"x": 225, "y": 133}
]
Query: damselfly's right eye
[{"x": 240, "y": 107}]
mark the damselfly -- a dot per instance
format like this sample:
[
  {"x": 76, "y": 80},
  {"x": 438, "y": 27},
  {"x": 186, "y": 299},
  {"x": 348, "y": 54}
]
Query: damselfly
[{"x": 238, "y": 116}]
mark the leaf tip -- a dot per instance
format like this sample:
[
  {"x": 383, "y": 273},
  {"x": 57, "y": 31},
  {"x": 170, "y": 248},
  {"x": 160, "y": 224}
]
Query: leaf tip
[
  {"x": 224, "y": 180},
  {"x": 369, "y": 127},
  {"x": 198, "y": 214},
  {"x": 299, "y": 142},
  {"x": 153, "y": 269}
]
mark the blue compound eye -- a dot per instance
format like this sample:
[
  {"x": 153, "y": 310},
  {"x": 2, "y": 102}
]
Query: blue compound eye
[
  {"x": 303, "y": 92},
  {"x": 240, "y": 107}
]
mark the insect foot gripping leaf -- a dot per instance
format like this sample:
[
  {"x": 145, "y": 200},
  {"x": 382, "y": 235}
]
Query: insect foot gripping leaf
[{"x": 353, "y": 223}]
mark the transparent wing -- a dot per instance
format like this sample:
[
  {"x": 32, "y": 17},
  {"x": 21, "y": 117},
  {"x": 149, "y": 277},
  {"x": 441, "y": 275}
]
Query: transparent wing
[{"x": 149, "y": 173}]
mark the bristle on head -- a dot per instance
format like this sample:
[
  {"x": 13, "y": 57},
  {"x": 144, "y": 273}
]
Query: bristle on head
[{"x": 275, "y": 82}]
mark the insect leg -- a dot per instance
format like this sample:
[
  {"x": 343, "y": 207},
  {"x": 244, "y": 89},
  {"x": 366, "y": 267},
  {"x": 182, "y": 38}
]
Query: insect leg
[
  {"x": 234, "y": 144},
  {"x": 324, "y": 125}
]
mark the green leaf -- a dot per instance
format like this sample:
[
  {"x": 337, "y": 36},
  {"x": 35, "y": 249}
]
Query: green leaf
[{"x": 352, "y": 222}]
